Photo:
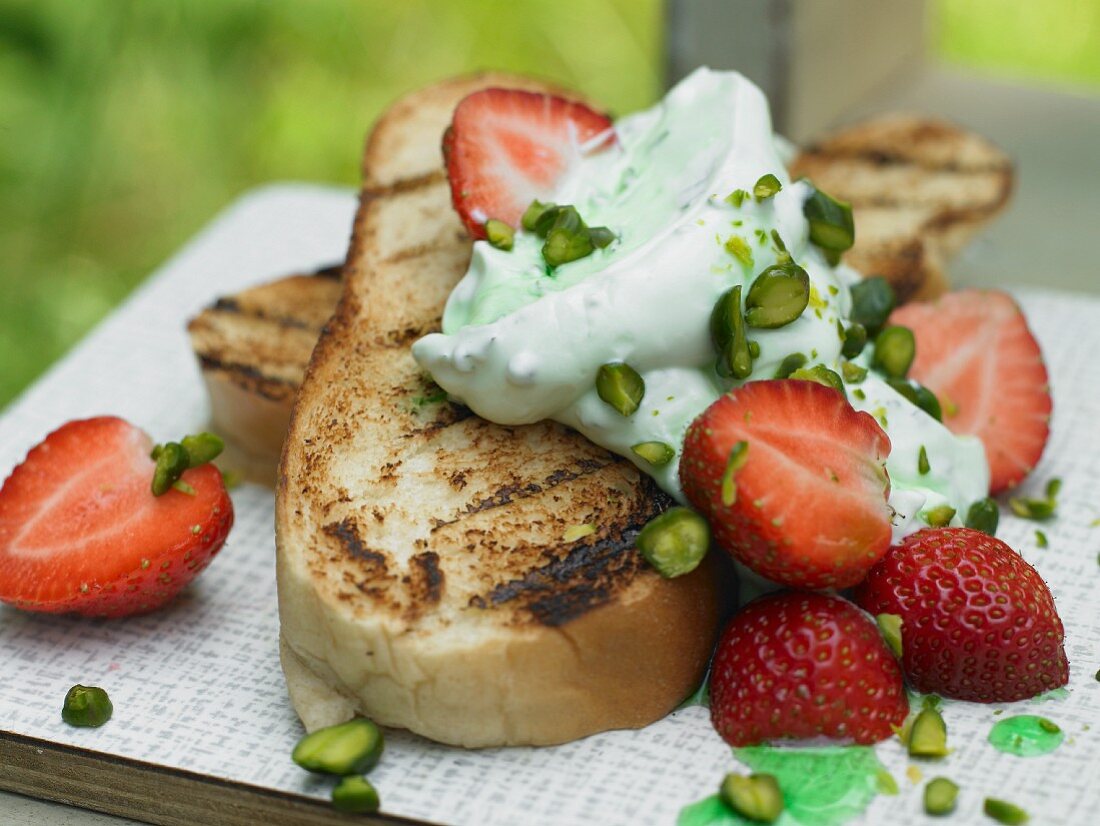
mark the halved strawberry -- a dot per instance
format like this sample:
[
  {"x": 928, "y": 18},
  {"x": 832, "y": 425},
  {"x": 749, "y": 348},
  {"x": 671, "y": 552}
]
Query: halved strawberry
[
  {"x": 798, "y": 664},
  {"x": 81, "y": 531},
  {"x": 508, "y": 147},
  {"x": 804, "y": 501},
  {"x": 976, "y": 353}
]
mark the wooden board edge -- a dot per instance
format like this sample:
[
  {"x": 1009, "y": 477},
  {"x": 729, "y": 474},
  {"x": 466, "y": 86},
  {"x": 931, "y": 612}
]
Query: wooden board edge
[{"x": 161, "y": 795}]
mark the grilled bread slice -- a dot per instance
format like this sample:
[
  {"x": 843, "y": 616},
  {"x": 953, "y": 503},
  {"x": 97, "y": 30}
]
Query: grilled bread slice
[
  {"x": 476, "y": 584},
  {"x": 920, "y": 188},
  {"x": 253, "y": 348}
]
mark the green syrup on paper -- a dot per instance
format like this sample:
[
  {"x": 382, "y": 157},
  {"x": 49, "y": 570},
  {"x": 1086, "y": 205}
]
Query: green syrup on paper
[
  {"x": 821, "y": 786},
  {"x": 1053, "y": 694},
  {"x": 1023, "y": 736}
]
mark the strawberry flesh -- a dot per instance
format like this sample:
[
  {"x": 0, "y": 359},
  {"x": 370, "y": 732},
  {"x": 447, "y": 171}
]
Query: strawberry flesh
[
  {"x": 978, "y": 622},
  {"x": 799, "y": 664},
  {"x": 976, "y": 353},
  {"x": 80, "y": 530},
  {"x": 811, "y": 498},
  {"x": 507, "y": 147}
]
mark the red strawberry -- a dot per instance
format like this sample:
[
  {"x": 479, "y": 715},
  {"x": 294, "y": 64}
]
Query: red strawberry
[
  {"x": 975, "y": 351},
  {"x": 81, "y": 531},
  {"x": 800, "y": 664},
  {"x": 978, "y": 622},
  {"x": 808, "y": 505},
  {"x": 508, "y": 147}
]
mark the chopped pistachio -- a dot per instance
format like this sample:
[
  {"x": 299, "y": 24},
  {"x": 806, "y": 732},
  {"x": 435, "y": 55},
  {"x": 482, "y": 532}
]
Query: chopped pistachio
[
  {"x": 86, "y": 707},
  {"x": 1037, "y": 509},
  {"x": 928, "y": 735},
  {"x": 1004, "y": 812},
  {"x": 567, "y": 239},
  {"x": 873, "y": 300},
  {"x": 738, "y": 456},
  {"x": 621, "y": 386},
  {"x": 895, "y": 348},
  {"x": 356, "y": 795},
  {"x": 657, "y": 454},
  {"x": 940, "y": 516},
  {"x": 778, "y": 296},
  {"x": 349, "y": 748},
  {"x": 675, "y": 542},
  {"x": 727, "y": 334},
  {"x": 756, "y": 797},
  {"x": 830, "y": 220},
  {"x": 575, "y": 532},
  {"x": 983, "y": 516},
  {"x": 600, "y": 236},
  {"x": 1041, "y": 539},
  {"x": 767, "y": 186},
  {"x": 889, "y": 625},
  {"x": 737, "y": 197},
  {"x": 922, "y": 461},
  {"x": 859, "y": 394},
  {"x": 499, "y": 234},
  {"x": 940, "y": 796},
  {"x": 855, "y": 339},
  {"x": 739, "y": 248},
  {"x": 852, "y": 372},
  {"x": 1049, "y": 726},
  {"x": 885, "y": 783},
  {"x": 533, "y": 213},
  {"x": 789, "y": 364},
  {"x": 822, "y": 375}
]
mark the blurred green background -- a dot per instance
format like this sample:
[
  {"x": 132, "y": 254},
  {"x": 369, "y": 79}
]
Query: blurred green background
[{"x": 126, "y": 124}]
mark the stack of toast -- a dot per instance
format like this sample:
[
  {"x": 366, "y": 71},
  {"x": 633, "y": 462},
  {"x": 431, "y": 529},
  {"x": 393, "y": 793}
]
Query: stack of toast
[{"x": 479, "y": 584}]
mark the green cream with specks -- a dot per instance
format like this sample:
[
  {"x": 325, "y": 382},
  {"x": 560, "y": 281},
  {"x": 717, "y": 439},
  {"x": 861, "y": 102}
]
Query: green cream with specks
[{"x": 522, "y": 342}]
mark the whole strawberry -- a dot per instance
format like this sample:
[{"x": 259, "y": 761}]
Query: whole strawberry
[
  {"x": 793, "y": 482},
  {"x": 978, "y": 622},
  {"x": 799, "y": 664}
]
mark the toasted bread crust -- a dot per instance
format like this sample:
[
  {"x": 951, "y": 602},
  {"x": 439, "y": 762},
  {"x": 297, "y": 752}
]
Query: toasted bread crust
[
  {"x": 423, "y": 567},
  {"x": 920, "y": 188},
  {"x": 253, "y": 348}
]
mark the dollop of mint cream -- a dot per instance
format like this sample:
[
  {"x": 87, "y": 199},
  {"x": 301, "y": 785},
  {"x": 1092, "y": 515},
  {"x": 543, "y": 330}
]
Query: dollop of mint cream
[{"x": 523, "y": 341}]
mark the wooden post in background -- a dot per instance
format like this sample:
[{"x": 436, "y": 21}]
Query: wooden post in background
[{"x": 815, "y": 59}]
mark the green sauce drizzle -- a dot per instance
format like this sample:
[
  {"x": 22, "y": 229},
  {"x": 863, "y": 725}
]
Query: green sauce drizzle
[
  {"x": 1025, "y": 736},
  {"x": 821, "y": 786}
]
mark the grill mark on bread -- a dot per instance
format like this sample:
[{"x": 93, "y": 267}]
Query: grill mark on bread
[
  {"x": 424, "y": 582},
  {"x": 514, "y": 492},
  {"x": 251, "y": 378},
  {"x": 585, "y": 576},
  {"x": 347, "y": 534},
  {"x": 230, "y": 305},
  {"x": 373, "y": 193},
  {"x": 333, "y": 271}
]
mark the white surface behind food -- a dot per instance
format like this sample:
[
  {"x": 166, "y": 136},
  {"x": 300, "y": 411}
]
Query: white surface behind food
[{"x": 198, "y": 685}]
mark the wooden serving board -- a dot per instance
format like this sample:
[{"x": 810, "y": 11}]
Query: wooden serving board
[{"x": 202, "y": 729}]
